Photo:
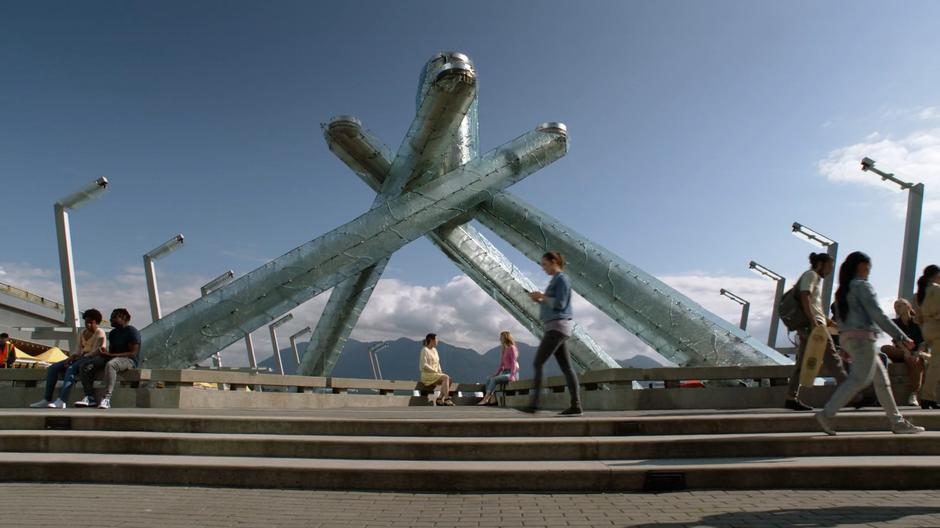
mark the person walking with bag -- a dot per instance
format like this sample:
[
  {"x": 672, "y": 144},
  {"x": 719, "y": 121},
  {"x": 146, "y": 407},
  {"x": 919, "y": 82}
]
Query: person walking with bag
[
  {"x": 808, "y": 293},
  {"x": 860, "y": 317}
]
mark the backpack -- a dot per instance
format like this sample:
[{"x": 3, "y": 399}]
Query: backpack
[{"x": 791, "y": 312}]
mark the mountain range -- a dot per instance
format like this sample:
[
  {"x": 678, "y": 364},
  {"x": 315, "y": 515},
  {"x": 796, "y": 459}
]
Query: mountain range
[{"x": 399, "y": 361}]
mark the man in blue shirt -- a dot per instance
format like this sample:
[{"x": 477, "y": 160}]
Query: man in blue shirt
[{"x": 121, "y": 354}]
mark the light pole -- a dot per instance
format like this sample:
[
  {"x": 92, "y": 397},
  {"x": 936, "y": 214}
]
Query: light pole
[
  {"x": 832, "y": 249},
  {"x": 373, "y": 354},
  {"x": 293, "y": 342},
  {"x": 745, "y": 307},
  {"x": 277, "y": 351},
  {"x": 208, "y": 288},
  {"x": 159, "y": 252},
  {"x": 915, "y": 206},
  {"x": 781, "y": 284},
  {"x": 73, "y": 201}
]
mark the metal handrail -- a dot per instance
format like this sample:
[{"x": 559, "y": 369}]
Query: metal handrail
[{"x": 30, "y": 297}]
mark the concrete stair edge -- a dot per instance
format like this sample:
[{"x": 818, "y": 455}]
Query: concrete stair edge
[
  {"x": 442, "y": 476},
  {"x": 468, "y": 449}
]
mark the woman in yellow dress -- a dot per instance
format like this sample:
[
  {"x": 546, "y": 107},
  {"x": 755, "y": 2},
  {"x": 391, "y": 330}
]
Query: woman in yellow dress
[{"x": 429, "y": 365}]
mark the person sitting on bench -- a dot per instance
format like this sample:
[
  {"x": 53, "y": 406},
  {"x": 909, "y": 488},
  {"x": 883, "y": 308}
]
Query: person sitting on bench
[
  {"x": 91, "y": 341},
  {"x": 121, "y": 354},
  {"x": 508, "y": 368},
  {"x": 431, "y": 374}
]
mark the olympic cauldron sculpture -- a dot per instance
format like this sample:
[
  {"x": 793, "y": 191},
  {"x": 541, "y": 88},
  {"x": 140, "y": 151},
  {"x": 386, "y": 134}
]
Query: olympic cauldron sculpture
[{"x": 433, "y": 186}]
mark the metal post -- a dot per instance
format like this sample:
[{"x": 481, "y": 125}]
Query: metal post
[
  {"x": 69, "y": 295},
  {"x": 373, "y": 354},
  {"x": 208, "y": 288},
  {"x": 775, "y": 317},
  {"x": 152, "y": 292},
  {"x": 160, "y": 251},
  {"x": 64, "y": 238},
  {"x": 250, "y": 345},
  {"x": 277, "y": 350},
  {"x": 915, "y": 206},
  {"x": 833, "y": 251},
  {"x": 293, "y": 346},
  {"x": 745, "y": 306},
  {"x": 781, "y": 285}
]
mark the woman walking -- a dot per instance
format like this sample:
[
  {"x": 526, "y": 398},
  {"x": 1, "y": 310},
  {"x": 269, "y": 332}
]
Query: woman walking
[
  {"x": 507, "y": 371},
  {"x": 555, "y": 313},
  {"x": 928, "y": 315},
  {"x": 860, "y": 317}
]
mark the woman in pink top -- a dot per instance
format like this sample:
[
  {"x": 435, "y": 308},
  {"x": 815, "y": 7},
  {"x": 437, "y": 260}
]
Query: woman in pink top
[{"x": 508, "y": 368}]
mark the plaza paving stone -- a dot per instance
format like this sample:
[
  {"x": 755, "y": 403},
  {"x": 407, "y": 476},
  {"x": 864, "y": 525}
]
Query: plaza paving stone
[{"x": 85, "y": 505}]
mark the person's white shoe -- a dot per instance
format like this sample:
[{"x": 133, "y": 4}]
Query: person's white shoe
[
  {"x": 825, "y": 424},
  {"x": 912, "y": 400},
  {"x": 57, "y": 404},
  {"x": 105, "y": 403},
  {"x": 905, "y": 427},
  {"x": 41, "y": 404},
  {"x": 87, "y": 401}
]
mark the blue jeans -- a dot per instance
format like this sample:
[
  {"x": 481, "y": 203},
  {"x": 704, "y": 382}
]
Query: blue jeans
[
  {"x": 493, "y": 381},
  {"x": 68, "y": 379}
]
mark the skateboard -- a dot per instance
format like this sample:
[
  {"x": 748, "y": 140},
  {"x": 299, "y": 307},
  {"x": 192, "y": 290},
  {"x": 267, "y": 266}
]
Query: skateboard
[{"x": 813, "y": 355}]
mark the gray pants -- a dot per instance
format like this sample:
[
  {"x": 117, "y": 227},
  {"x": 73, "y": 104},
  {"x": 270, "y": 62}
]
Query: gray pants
[
  {"x": 832, "y": 365},
  {"x": 866, "y": 368},
  {"x": 553, "y": 344},
  {"x": 111, "y": 371}
]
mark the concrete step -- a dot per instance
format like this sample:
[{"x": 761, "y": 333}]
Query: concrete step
[
  {"x": 650, "y": 447},
  {"x": 433, "y": 423},
  {"x": 888, "y": 472}
]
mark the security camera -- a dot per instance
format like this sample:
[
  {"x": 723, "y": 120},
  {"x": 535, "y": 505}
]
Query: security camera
[{"x": 868, "y": 164}]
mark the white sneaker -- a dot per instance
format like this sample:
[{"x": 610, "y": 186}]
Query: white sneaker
[
  {"x": 41, "y": 404},
  {"x": 905, "y": 427},
  {"x": 825, "y": 424},
  {"x": 912, "y": 400},
  {"x": 87, "y": 401},
  {"x": 105, "y": 403},
  {"x": 57, "y": 404}
]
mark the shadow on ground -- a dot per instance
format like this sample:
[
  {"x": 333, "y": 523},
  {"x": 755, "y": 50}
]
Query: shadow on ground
[{"x": 807, "y": 518}]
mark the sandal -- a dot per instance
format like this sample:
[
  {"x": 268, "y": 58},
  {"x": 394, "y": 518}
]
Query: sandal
[{"x": 448, "y": 402}]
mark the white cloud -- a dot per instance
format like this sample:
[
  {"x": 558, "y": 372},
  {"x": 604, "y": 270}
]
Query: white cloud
[
  {"x": 929, "y": 113},
  {"x": 914, "y": 158}
]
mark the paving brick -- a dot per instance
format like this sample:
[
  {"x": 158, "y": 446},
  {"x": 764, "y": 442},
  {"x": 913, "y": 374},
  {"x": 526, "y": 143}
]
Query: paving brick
[{"x": 75, "y": 504}]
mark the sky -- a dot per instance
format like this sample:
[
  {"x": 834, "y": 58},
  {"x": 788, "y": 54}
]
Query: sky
[{"x": 698, "y": 133}]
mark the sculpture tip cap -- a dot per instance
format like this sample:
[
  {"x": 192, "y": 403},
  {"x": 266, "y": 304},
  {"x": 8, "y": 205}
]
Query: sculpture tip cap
[
  {"x": 343, "y": 121},
  {"x": 553, "y": 127}
]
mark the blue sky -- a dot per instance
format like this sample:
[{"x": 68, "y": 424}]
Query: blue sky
[{"x": 697, "y": 129}]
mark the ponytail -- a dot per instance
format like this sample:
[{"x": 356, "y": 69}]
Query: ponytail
[
  {"x": 847, "y": 272},
  {"x": 930, "y": 272}
]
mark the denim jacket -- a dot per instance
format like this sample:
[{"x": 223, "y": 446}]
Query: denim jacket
[
  {"x": 864, "y": 312},
  {"x": 557, "y": 303}
]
